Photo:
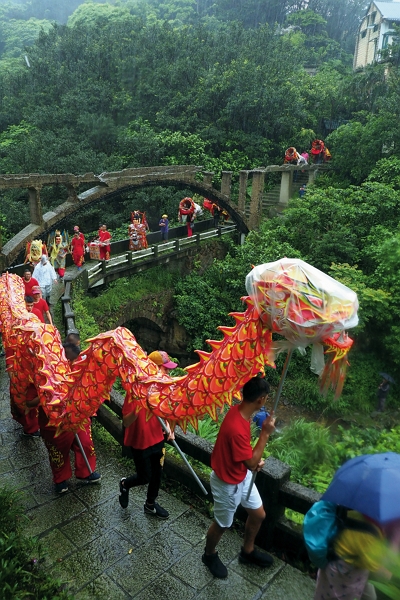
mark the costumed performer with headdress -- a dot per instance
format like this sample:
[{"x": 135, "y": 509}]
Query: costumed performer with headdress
[
  {"x": 58, "y": 253},
  {"x": 34, "y": 251}
]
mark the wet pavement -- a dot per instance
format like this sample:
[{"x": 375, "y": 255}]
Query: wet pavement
[{"x": 107, "y": 553}]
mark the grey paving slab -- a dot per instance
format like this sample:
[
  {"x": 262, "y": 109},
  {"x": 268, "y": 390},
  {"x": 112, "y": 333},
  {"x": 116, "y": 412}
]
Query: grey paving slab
[
  {"x": 254, "y": 574},
  {"x": 92, "y": 495},
  {"x": 5, "y": 466},
  {"x": 167, "y": 587},
  {"x": 232, "y": 588},
  {"x": 83, "y": 529},
  {"x": 149, "y": 561},
  {"x": 47, "y": 516},
  {"x": 60, "y": 546},
  {"x": 290, "y": 584},
  {"x": 7, "y": 439},
  {"x": 102, "y": 588},
  {"x": 8, "y": 424},
  {"x": 89, "y": 562},
  {"x": 192, "y": 526},
  {"x": 191, "y": 570}
]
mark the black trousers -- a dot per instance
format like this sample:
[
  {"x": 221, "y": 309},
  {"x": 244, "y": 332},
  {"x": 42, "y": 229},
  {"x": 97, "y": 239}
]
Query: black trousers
[{"x": 149, "y": 466}]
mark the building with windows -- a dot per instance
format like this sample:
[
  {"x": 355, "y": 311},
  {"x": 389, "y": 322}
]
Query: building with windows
[{"x": 376, "y": 32}]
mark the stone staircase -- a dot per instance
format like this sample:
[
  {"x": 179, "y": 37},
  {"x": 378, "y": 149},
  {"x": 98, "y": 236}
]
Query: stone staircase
[{"x": 270, "y": 199}]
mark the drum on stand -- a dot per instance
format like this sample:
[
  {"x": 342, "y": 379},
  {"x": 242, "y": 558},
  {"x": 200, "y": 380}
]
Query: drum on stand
[{"x": 94, "y": 251}]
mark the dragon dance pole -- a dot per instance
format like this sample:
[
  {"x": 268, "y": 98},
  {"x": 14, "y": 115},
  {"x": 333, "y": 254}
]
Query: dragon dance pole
[
  {"x": 85, "y": 458},
  {"x": 173, "y": 442},
  {"x": 277, "y": 398}
]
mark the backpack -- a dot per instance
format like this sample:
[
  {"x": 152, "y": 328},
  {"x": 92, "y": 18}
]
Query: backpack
[{"x": 322, "y": 524}]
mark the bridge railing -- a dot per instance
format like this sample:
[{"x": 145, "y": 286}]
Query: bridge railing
[{"x": 124, "y": 263}]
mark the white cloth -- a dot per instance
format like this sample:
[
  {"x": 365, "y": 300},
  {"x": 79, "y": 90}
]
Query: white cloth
[
  {"x": 45, "y": 274},
  {"x": 228, "y": 496}
]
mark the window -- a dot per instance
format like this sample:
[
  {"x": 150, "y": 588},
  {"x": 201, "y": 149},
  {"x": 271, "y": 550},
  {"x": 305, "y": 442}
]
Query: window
[
  {"x": 372, "y": 18},
  {"x": 363, "y": 33},
  {"x": 376, "y": 27},
  {"x": 385, "y": 41}
]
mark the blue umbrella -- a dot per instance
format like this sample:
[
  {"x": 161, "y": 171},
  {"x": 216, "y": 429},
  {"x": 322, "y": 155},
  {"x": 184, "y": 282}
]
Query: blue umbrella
[{"x": 369, "y": 484}]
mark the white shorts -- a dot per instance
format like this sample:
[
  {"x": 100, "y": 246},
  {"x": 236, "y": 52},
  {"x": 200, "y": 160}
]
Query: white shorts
[{"x": 228, "y": 496}]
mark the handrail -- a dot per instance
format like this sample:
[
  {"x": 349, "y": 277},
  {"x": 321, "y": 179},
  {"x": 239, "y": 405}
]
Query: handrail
[{"x": 102, "y": 269}]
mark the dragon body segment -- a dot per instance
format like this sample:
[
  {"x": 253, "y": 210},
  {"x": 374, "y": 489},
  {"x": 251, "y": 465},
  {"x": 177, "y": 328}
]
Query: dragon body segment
[{"x": 281, "y": 302}]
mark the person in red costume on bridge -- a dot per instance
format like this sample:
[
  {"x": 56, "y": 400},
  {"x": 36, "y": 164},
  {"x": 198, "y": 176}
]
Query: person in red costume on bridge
[
  {"x": 78, "y": 248},
  {"x": 105, "y": 248}
]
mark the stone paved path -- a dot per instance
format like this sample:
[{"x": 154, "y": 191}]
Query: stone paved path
[{"x": 107, "y": 553}]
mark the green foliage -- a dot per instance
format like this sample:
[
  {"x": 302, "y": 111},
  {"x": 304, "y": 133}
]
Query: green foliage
[
  {"x": 84, "y": 321},
  {"x": 105, "y": 309},
  {"x": 304, "y": 446},
  {"x": 207, "y": 429},
  {"x": 21, "y": 575}
]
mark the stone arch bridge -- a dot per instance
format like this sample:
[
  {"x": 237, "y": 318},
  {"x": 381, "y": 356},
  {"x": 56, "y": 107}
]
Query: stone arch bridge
[{"x": 110, "y": 184}]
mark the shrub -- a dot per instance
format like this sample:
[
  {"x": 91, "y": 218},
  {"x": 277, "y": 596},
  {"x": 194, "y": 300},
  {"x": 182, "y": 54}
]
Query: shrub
[{"x": 20, "y": 556}]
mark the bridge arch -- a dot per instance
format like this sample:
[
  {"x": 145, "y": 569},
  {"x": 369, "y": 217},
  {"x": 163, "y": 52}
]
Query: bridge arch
[
  {"x": 109, "y": 185},
  {"x": 151, "y": 323}
]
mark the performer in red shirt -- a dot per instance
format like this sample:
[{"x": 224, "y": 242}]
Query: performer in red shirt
[
  {"x": 76, "y": 229},
  {"x": 30, "y": 307},
  {"x": 78, "y": 249},
  {"x": 28, "y": 281},
  {"x": 146, "y": 438},
  {"x": 233, "y": 459},
  {"x": 105, "y": 248},
  {"x": 41, "y": 305}
]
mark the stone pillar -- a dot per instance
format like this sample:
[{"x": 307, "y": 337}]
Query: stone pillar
[
  {"x": 243, "y": 178},
  {"x": 35, "y": 206},
  {"x": 256, "y": 199},
  {"x": 286, "y": 188},
  {"x": 226, "y": 183},
  {"x": 72, "y": 195},
  {"x": 312, "y": 173},
  {"x": 208, "y": 177}
]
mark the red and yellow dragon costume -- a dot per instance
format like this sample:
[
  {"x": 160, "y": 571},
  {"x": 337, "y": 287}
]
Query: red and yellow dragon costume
[{"x": 281, "y": 304}]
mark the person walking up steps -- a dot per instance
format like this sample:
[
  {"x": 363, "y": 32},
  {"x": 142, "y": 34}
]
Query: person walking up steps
[
  {"x": 233, "y": 459},
  {"x": 146, "y": 438}
]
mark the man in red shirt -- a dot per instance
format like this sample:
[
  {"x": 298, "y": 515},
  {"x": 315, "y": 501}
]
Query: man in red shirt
[
  {"x": 105, "y": 248},
  {"x": 233, "y": 459},
  {"x": 41, "y": 305},
  {"x": 146, "y": 438},
  {"x": 28, "y": 281},
  {"x": 30, "y": 307}
]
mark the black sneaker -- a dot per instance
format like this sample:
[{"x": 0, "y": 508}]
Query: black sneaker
[
  {"x": 261, "y": 559},
  {"x": 93, "y": 478},
  {"x": 34, "y": 435},
  {"x": 61, "y": 487},
  {"x": 215, "y": 565},
  {"x": 123, "y": 494},
  {"x": 156, "y": 510}
]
